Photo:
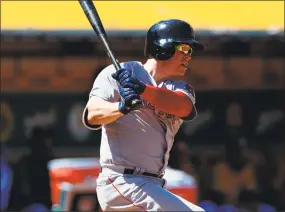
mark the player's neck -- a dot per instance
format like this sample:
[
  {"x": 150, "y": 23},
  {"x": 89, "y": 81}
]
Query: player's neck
[{"x": 155, "y": 70}]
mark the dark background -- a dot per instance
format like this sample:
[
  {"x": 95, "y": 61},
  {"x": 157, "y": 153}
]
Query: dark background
[{"x": 59, "y": 106}]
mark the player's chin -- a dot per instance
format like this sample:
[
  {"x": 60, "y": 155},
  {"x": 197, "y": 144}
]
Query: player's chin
[{"x": 181, "y": 70}]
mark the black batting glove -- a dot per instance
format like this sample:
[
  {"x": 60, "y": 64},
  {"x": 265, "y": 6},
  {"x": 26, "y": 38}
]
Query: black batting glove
[
  {"x": 124, "y": 71},
  {"x": 126, "y": 79},
  {"x": 127, "y": 96}
]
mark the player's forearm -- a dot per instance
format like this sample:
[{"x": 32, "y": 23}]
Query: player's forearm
[
  {"x": 103, "y": 113},
  {"x": 168, "y": 101}
]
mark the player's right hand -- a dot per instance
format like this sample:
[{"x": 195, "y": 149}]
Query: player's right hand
[{"x": 127, "y": 96}]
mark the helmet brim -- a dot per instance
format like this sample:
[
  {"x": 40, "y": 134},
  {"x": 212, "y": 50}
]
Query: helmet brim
[{"x": 193, "y": 43}]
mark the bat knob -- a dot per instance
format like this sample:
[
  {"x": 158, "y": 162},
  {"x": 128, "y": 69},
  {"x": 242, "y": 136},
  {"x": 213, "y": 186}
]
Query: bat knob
[{"x": 136, "y": 104}]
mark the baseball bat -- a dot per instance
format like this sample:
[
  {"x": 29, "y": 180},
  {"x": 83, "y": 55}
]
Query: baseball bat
[{"x": 96, "y": 23}]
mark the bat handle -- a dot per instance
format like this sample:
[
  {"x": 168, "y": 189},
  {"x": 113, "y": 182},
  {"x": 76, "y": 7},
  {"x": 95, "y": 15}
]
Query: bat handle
[{"x": 136, "y": 104}]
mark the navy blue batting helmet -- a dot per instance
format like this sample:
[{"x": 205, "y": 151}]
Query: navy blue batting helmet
[{"x": 162, "y": 37}]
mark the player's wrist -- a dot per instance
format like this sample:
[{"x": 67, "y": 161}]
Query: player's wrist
[
  {"x": 122, "y": 108},
  {"x": 114, "y": 110}
]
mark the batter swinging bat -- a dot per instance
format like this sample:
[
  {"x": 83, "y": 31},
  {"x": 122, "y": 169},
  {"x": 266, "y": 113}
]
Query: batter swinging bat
[{"x": 96, "y": 23}]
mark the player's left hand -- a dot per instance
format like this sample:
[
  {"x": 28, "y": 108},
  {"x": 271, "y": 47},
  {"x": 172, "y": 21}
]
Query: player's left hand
[
  {"x": 127, "y": 96},
  {"x": 126, "y": 79}
]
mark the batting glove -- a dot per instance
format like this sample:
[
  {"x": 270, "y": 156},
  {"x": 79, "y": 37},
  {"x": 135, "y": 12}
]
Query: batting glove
[
  {"x": 127, "y": 96},
  {"x": 126, "y": 80},
  {"x": 126, "y": 72}
]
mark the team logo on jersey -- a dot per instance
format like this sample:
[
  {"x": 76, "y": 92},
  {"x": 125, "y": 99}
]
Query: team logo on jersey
[{"x": 162, "y": 115}]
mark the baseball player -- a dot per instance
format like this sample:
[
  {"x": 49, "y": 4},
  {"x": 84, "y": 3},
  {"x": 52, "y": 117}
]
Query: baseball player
[{"x": 135, "y": 143}]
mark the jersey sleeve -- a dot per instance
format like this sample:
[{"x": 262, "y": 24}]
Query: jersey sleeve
[
  {"x": 105, "y": 87},
  {"x": 187, "y": 89}
]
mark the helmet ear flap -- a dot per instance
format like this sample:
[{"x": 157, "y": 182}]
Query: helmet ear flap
[{"x": 164, "y": 52}]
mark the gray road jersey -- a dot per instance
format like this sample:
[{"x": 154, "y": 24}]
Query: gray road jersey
[{"x": 141, "y": 138}]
